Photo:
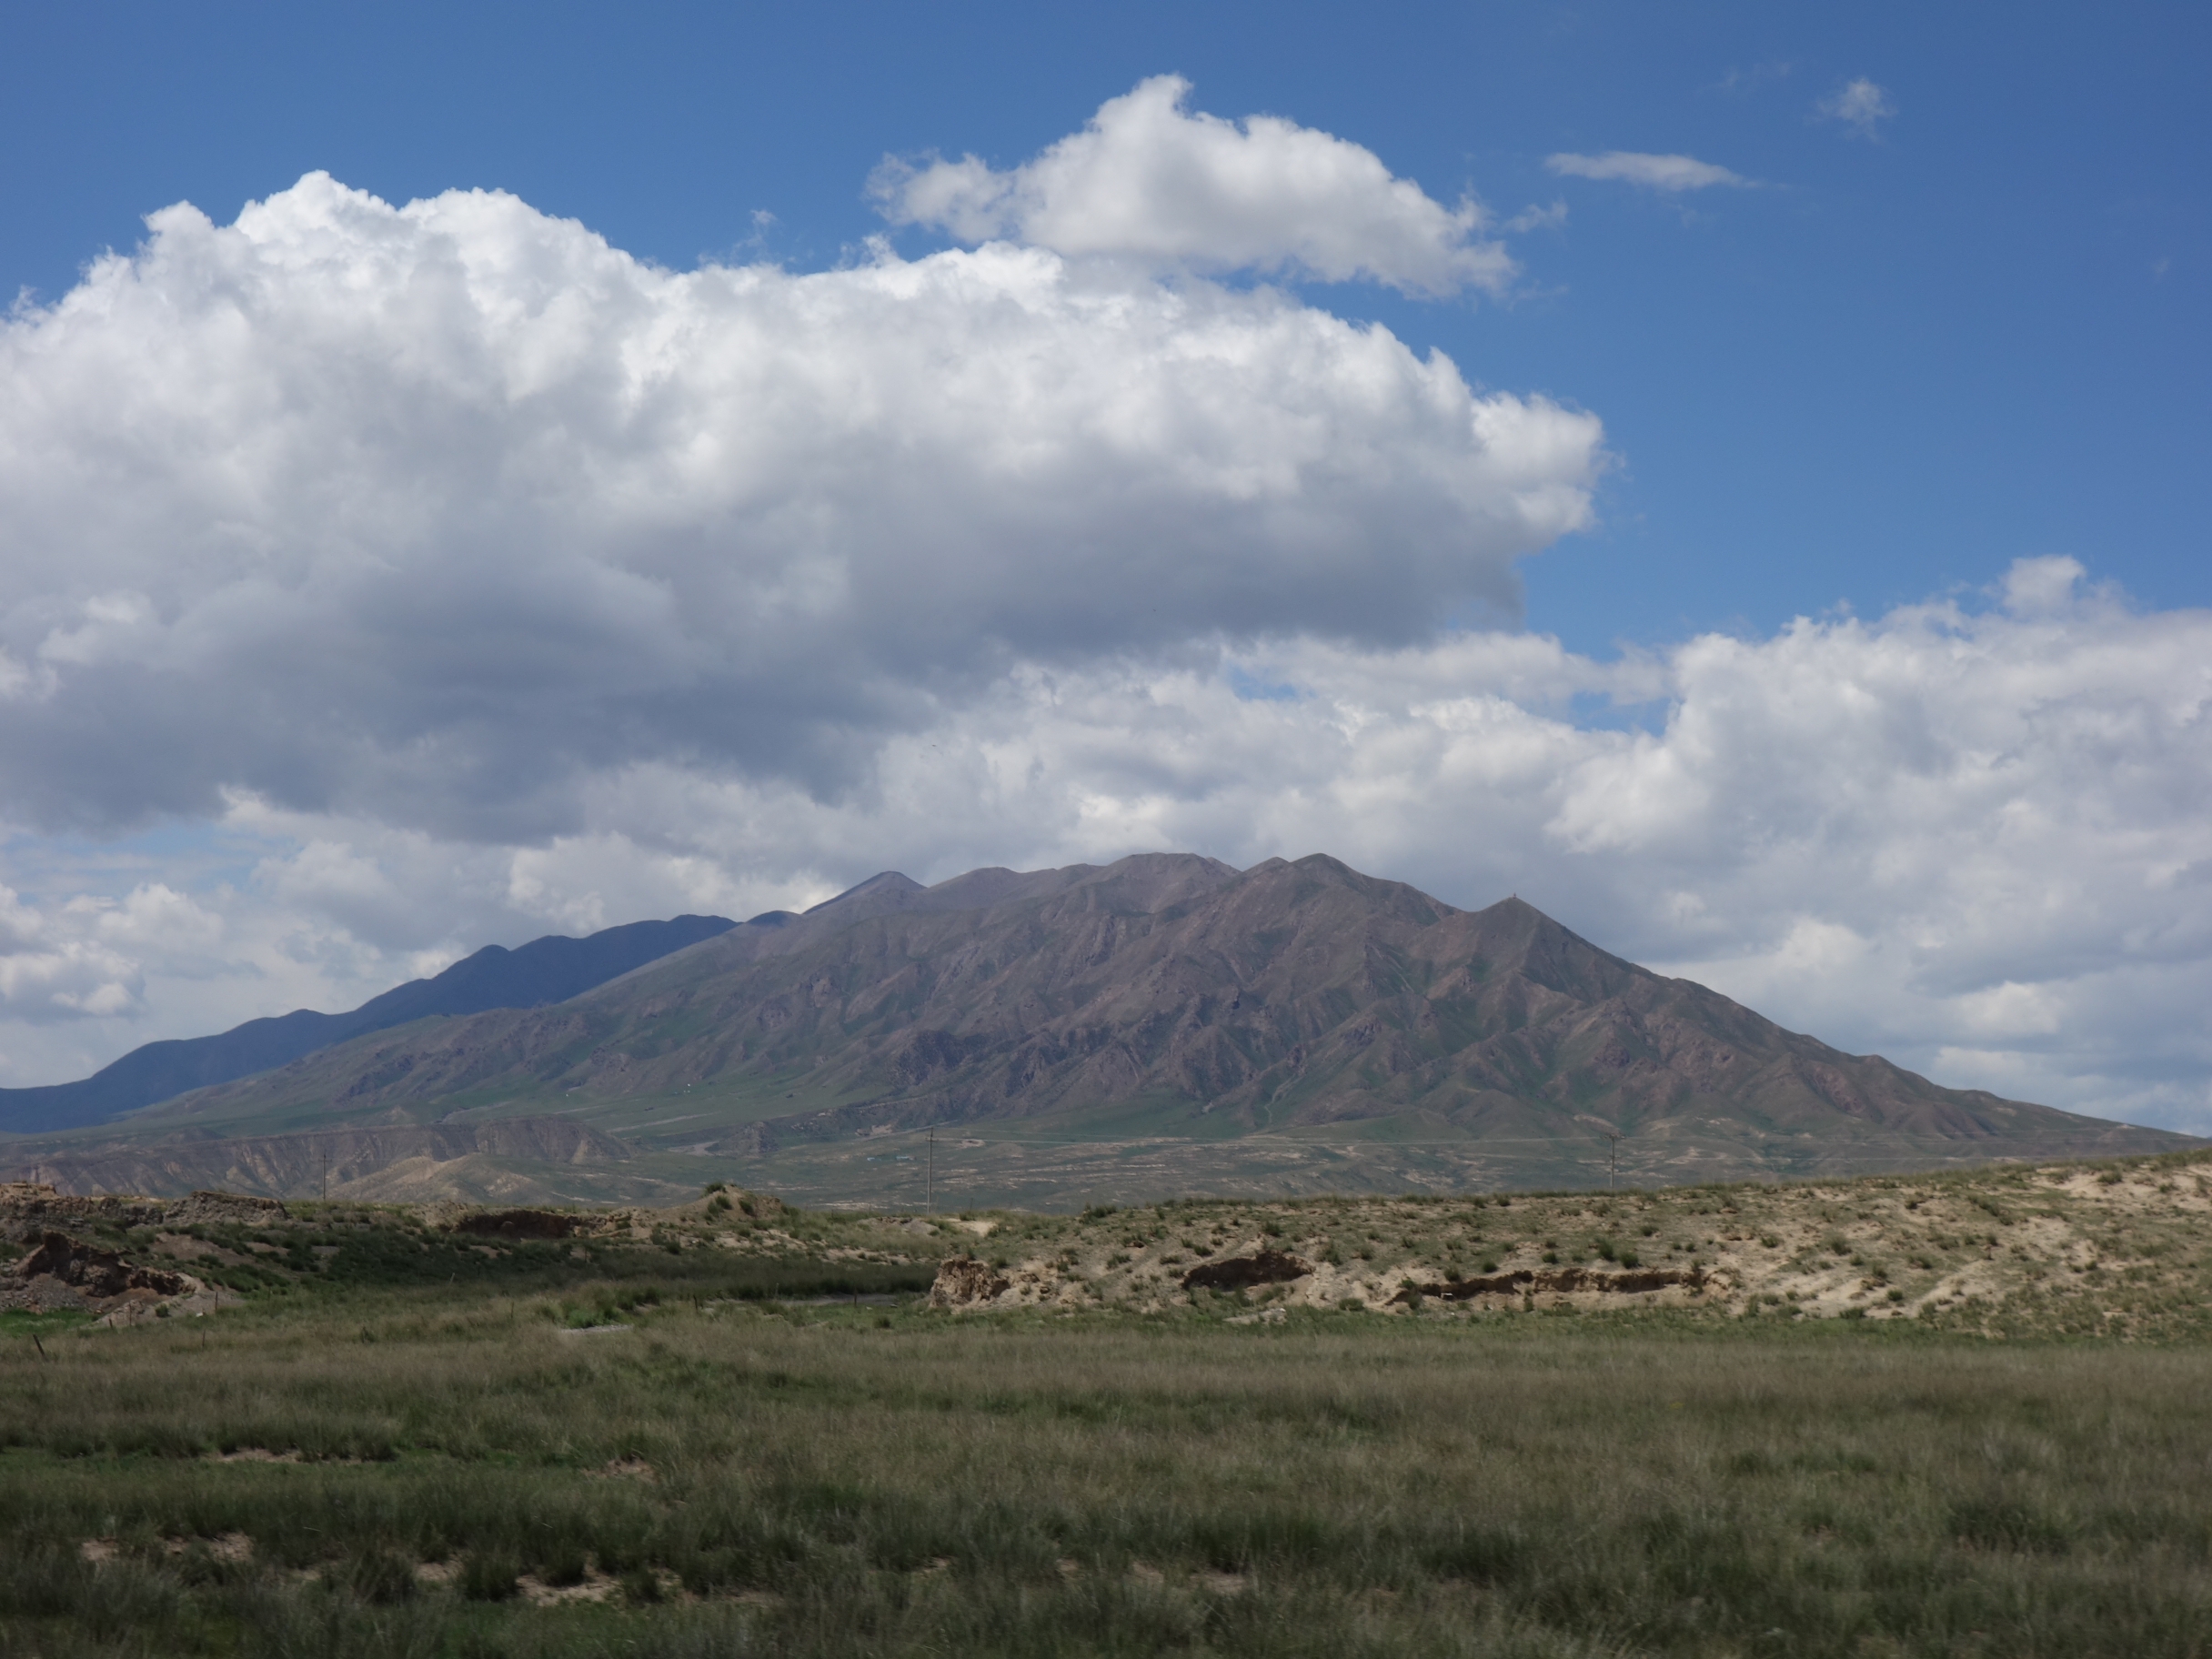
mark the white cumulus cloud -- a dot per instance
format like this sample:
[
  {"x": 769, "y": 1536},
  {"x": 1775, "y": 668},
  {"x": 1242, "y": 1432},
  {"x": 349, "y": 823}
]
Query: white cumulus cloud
[
  {"x": 86, "y": 957},
  {"x": 1672, "y": 174},
  {"x": 434, "y": 512},
  {"x": 1150, "y": 182}
]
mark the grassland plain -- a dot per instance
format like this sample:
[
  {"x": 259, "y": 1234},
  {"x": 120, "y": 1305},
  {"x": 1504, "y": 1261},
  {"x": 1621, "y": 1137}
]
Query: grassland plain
[{"x": 735, "y": 1428}]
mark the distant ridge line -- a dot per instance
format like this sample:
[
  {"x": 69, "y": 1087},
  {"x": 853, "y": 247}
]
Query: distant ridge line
[{"x": 548, "y": 969}]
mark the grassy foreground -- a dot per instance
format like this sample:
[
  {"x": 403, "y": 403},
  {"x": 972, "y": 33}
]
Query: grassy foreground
[
  {"x": 466, "y": 1473},
  {"x": 1965, "y": 1416}
]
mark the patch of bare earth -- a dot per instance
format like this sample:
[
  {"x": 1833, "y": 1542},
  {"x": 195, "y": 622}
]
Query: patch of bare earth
[
  {"x": 594, "y": 1587},
  {"x": 228, "y": 1547},
  {"x": 233, "y": 1547}
]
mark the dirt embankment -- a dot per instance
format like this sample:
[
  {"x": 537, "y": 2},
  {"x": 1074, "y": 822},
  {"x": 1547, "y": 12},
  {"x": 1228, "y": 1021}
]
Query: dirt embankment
[
  {"x": 95, "y": 1273},
  {"x": 964, "y": 1282},
  {"x": 29, "y": 1209},
  {"x": 1563, "y": 1281},
  {"x": 63, "y": 1272},
  {"x": 1264, "y": 1267},
  {"x": 521, "y": 1224},
  {"x": 2105, "y": 1248}
]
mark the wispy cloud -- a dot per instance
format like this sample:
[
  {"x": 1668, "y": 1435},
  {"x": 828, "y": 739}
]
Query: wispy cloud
[
  {"x": 1533, "y": 217},
  {"x": 1753, "y": 78},
  {"x": 1860, "y": 104},
  {"x": 1669, "y": 173}
]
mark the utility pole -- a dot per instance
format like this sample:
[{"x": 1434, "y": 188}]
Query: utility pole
[
  {"x": 325, "y": 1172},
  {"x": 932, "y": 1205},
  {"x": 1612, "y": 1175}
]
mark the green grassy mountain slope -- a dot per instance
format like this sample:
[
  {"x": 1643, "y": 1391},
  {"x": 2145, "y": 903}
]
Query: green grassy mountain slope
[{"x": 1166, "y": 1023}]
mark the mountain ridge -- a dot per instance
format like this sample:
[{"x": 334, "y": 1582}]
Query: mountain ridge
[
  {"x": 1172, "y": 1000},
  {"x": 550, "y": 968}
]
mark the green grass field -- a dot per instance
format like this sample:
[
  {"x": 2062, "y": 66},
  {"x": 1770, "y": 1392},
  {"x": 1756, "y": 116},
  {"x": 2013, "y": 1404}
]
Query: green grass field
[
  {"x": 413, "y": 1445},
  {"x": 832, "y": 1481}
]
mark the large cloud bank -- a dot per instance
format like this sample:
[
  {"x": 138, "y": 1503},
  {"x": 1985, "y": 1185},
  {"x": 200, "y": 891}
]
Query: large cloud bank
[
  {"x": 438, "y": 574},
  {"x": 445, "y": 507},
  {"x": 1977, "y": 838}
]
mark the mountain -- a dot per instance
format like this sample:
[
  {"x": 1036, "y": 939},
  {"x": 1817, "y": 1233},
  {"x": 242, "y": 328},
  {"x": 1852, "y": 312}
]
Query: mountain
[
  {"x": 414, "y": 1161},
  {"x": 548, "y": 969},
  {"x": 1165, "y": 1021}
]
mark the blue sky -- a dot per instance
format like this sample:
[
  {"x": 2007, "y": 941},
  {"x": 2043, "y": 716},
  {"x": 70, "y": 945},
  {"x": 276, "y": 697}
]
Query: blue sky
[{"x": 378, "y": 581}]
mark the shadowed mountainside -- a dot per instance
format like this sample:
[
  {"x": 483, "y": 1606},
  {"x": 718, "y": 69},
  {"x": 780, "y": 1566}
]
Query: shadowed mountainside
[
  {"x": 1173, "y": 998},
  {"x": 548, "y": 969}
]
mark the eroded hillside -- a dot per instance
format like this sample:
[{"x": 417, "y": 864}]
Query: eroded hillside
[
  {"x": 2121, "y": 1249},
  {"x": 2117, "y": 1249}
]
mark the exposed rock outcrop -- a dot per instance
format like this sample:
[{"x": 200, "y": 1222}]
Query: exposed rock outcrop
[
  {"x": 63, "y": 1272},
  {"x": 95, "y": 1271},
  {"x": 962, "y": 1281}
]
